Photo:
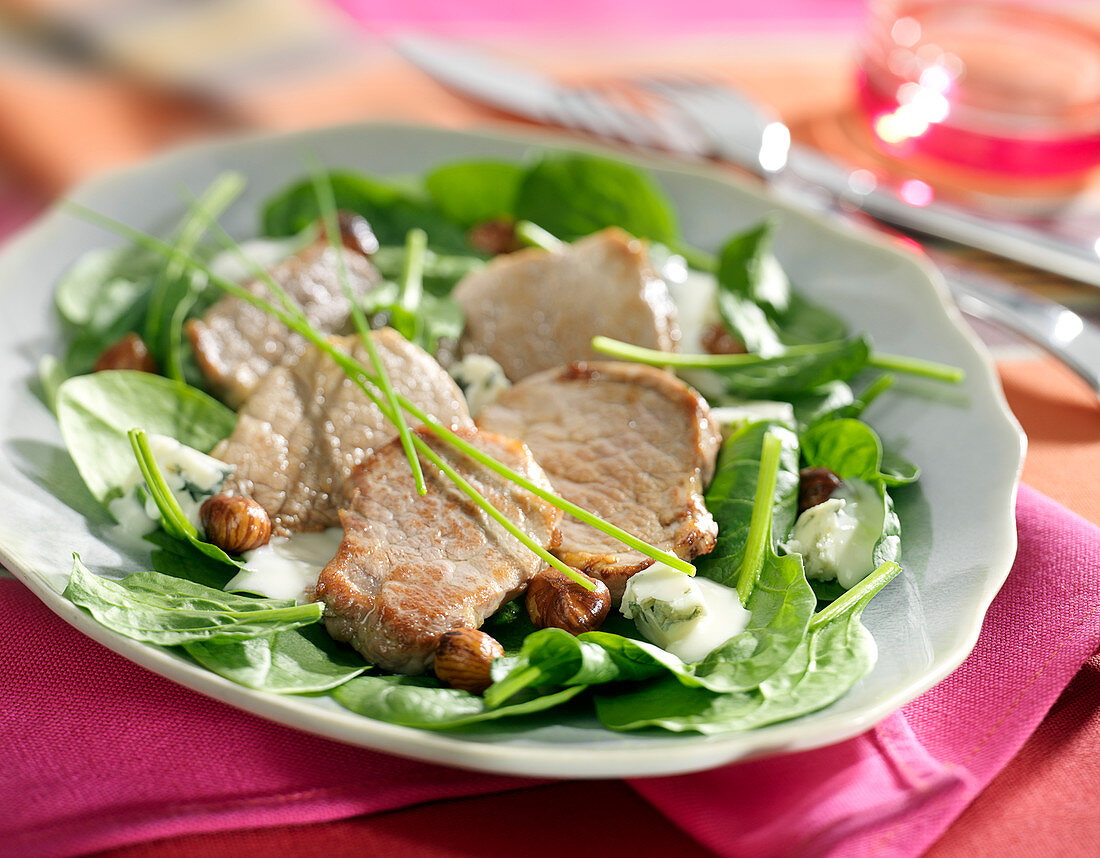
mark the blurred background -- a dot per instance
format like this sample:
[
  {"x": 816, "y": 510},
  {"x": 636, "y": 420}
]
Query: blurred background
[{"x": 86, "y": 85}]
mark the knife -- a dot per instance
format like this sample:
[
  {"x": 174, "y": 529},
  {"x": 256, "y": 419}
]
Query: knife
[{"x": 745, "y": 133}]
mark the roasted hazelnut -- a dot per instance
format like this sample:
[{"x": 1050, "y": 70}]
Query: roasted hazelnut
[
  {"x": 716, "y": 340},
  {"x": 464, "y": 657},
  {"x": 128, "y": 353},
  {"x": 235, "y": 524},
  {"x": 493, "y": 237},
  {"x": 554, "y": 599},
  {"x": 356, "y": 233},
  {"x": 815, "y": 485}
]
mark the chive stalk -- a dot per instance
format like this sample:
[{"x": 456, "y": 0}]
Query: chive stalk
[
  {"x": 879, "y": 360},
  {"x": 175, "y": 522},
  {"x": 760, "y": 524},
  {"x": 533, "y": 235},
  {"x": 862, "y": 592},
  {"x": 326, "y": 203},
  {"x": 412, "y": 271},
  {"x": 917, "y": 367},
  {"x": 215, "y": 199}
]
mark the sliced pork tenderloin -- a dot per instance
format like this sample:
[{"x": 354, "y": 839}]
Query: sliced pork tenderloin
[
  {"x": 411, "y": 568},
  {"x": 533, "y": 310},
  {"x": 307, "y": 426},
  {"x": 236, "y": 343},
  {"x": 630, "y": 443}
]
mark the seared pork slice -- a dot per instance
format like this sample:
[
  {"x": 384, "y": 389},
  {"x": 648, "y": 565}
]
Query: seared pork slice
[
  {"x": 307, "y": 426},
  {"x": 411, "y": 568},
  {"x": 631, "y": 443},
  {"x": 236, "y": 343},
  {"x": 532, "y": 310}
]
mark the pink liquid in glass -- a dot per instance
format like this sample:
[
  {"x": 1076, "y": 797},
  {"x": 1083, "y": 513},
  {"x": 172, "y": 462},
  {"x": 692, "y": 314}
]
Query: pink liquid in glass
[{"x": 991, "y": 86}]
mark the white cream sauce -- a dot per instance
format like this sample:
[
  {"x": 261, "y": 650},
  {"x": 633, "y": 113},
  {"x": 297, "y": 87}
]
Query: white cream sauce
[
  {"x": 689, "y": 617},
  {"x": 287, "y": 567}
]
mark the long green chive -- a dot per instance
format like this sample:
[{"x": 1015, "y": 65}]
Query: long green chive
[
  {"x": 862, "y": 592},
  {"x": 411, "y": 284},
  {"x": 175, "y": 522},
  {"x": 533, "y": 235},
  {"x": 760, "y": 524},
  {"x": 916, "y": 366},
  {"x": 869, "y": 394},
  {"x": 326, "y": 203},
  {"x": 474, "y": 495},
  {"x": 638, "y": 354},
  {"x": 359, "y": 373}
]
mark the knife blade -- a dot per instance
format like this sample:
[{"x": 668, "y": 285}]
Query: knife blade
[{"x": 530, "y": 95}]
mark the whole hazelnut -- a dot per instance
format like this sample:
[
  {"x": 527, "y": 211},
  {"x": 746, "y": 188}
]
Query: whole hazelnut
[
  {"x": 815, "y": 485},
  {"x": 493, "y": 237},
  {"x": 716, "y": 340},
  {"x": 464, "y": 657},
  {"x": 235, "y": 524},
  {"x": 555, "y": 600},
  {"x": 356, "y": 233},
  {"x": 128, "y": 353}
]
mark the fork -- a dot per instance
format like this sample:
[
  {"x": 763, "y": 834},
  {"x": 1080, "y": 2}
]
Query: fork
[{"x": 606, "y": 111}]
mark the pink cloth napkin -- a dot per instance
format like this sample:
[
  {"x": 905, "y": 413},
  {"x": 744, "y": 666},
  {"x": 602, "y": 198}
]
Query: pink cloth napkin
[
  {"x": 608, "y": 16},
  {"x": 96, "y": 752}
]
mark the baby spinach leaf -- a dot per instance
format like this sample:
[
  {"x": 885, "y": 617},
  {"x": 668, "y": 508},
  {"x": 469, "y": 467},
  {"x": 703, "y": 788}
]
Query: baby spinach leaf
[
  {"x": 797, "y": 370},
  {"x": 852, "y": 449},
  {"x": 96, "y": 412},
  {"x": 896, "y": 470},
  {"x": 472, "y": 192},
  {"x": 574, "y": 195},
  {"x": 772, "y": 587},
  {"x": 298, "y": 661},
  {"x": 553, "y": 657},
  {"x": 392, "y": 211},
  {"x": 836, "y": 651},
  {"x": 821, "y": 403},
  {"x": 103, "y": 283},
  {"x": 155, "y": 608},
  {"x": 181, "y": 559},
  {"x": 104, "y": 296},
  {"x": 732, "y": 492},
  {"x": 420, "y": 701},
  {"x": 808, "y": 322},
  {"x": 743, "y": 269},
  {"x": 756, "y": 300}
]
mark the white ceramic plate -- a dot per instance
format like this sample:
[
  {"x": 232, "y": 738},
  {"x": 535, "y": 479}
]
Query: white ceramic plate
[{"x": 959, "y": 531}]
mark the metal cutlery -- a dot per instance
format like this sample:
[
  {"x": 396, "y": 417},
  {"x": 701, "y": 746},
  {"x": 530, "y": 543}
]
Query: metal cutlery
[{"x": 724, "y": 123}]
